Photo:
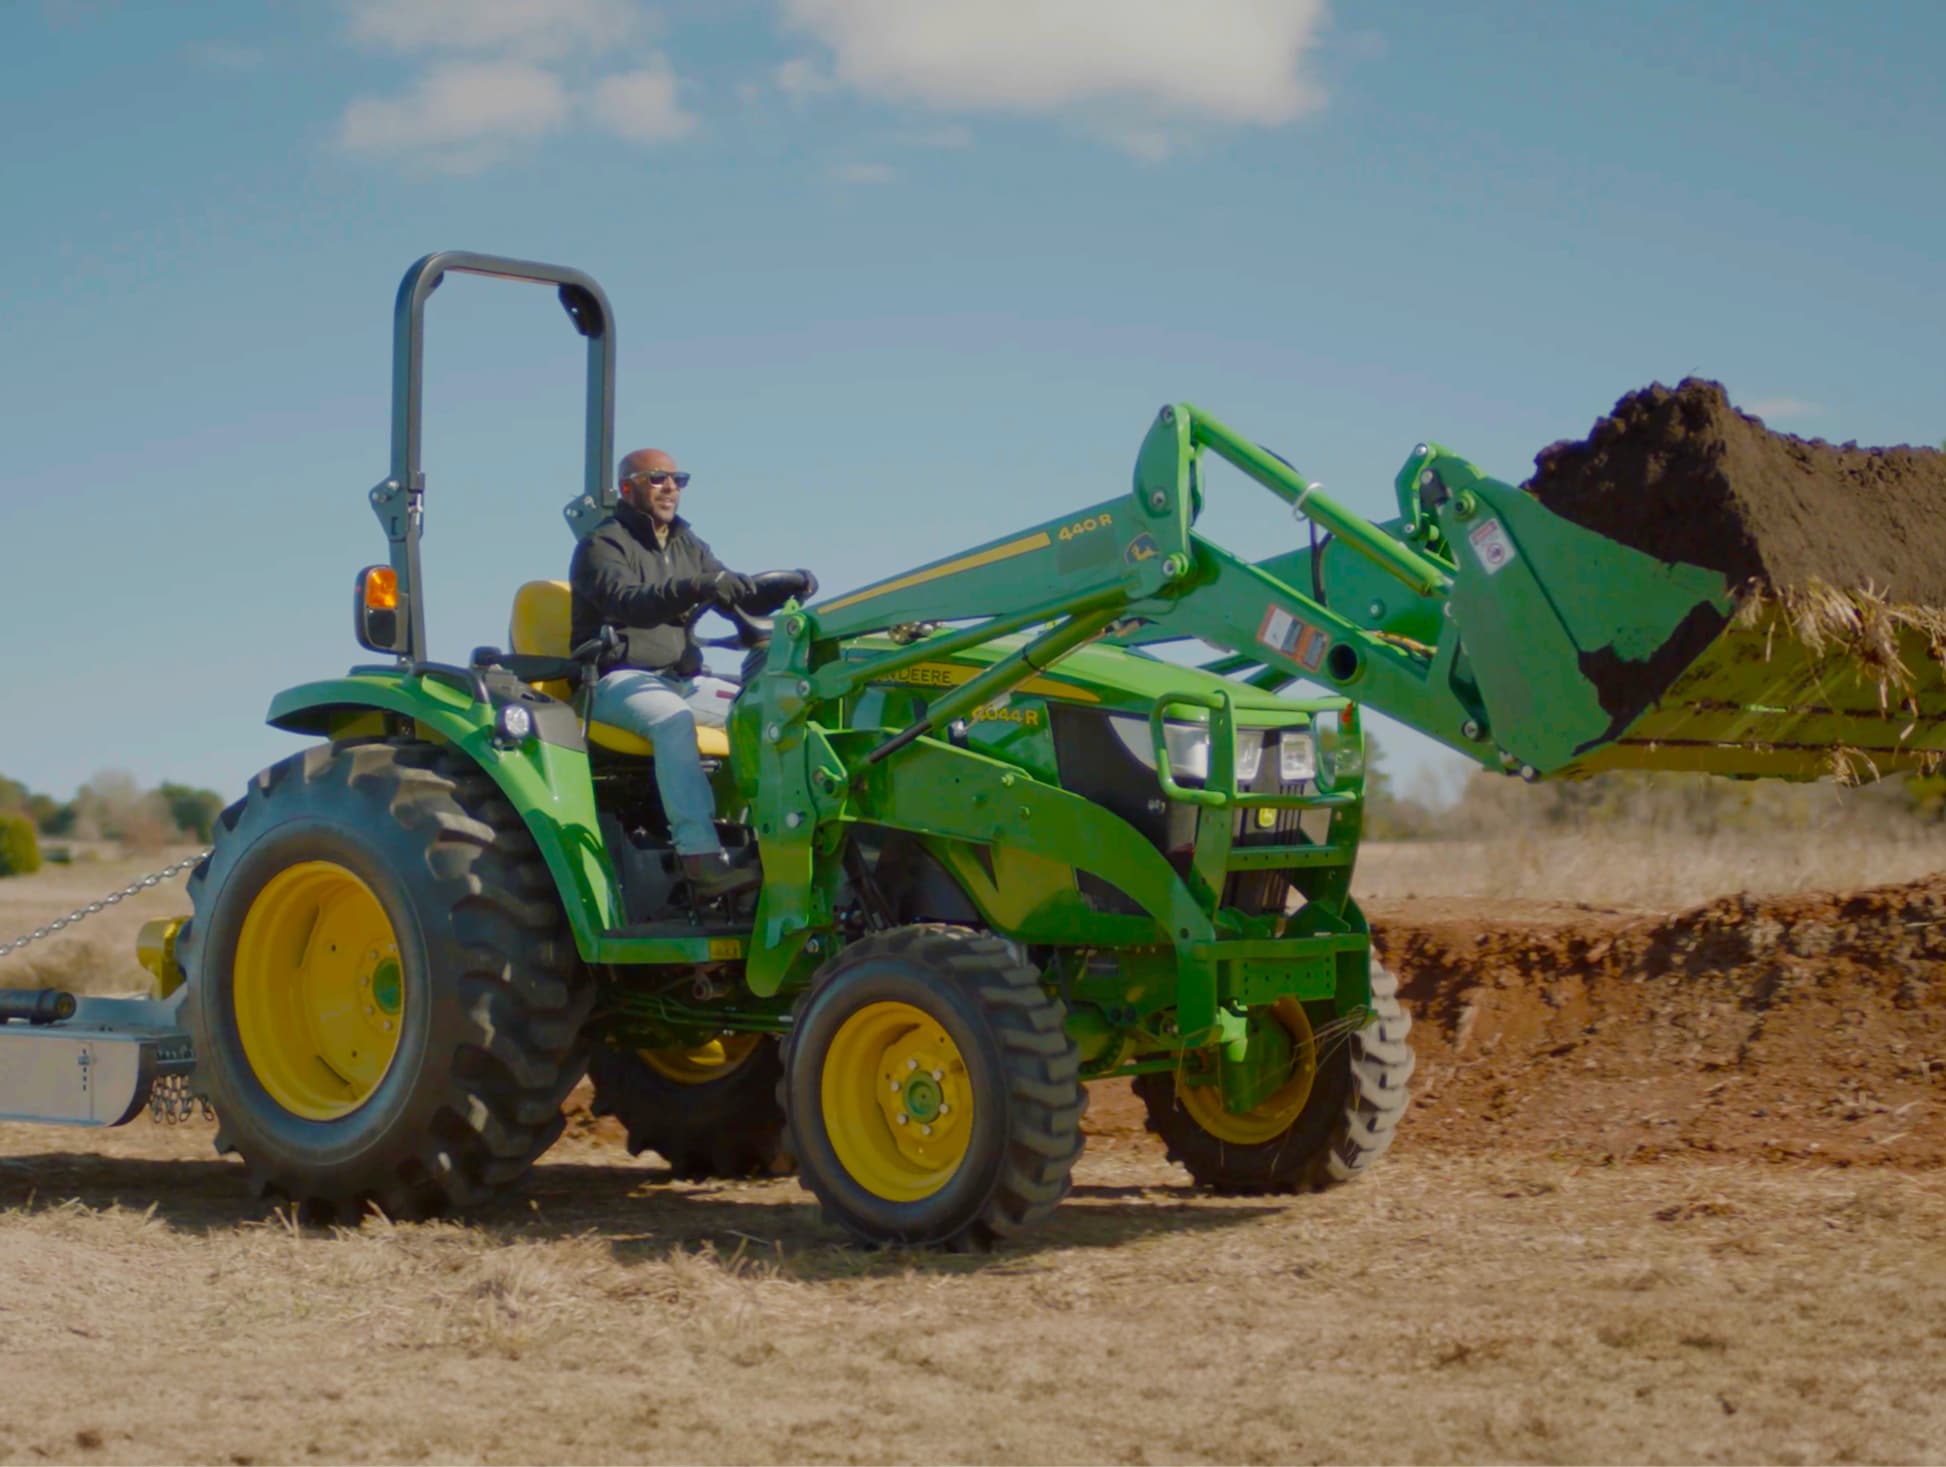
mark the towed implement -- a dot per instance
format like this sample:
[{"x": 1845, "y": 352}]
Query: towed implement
[{"x": 1006, "y": 849}]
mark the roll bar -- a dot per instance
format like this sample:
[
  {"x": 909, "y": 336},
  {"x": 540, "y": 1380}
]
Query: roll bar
[{"x": 399, "y": 501}]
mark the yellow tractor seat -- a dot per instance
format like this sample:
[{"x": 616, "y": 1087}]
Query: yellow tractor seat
[{"x": 539, "y": 628}]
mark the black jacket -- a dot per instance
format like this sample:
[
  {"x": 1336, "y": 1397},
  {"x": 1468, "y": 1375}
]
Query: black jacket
[{"x": 621, "y": 577}]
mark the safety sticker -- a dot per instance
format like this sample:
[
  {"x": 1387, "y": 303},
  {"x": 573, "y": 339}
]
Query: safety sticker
[
  {"x": 1491, "y": 544},
  {"x": 1295, "y": 638}
]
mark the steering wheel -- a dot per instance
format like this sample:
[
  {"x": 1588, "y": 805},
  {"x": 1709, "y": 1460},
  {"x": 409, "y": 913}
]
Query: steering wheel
[{"x": 774, "y": 588}]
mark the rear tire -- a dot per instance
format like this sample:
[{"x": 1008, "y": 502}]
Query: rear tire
[
  {"x": 703, "y": 1124},
  {"x": 1357, "y": 1096},
  {"x": 393, "y": 879},
  {"x": 940, "y": 1025}
]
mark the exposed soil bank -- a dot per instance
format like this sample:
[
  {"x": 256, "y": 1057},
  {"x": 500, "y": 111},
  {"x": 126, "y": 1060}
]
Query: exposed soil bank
[
  {"x": 1805, "y": 1027},
  {"x": 1802, "y": 1028}
]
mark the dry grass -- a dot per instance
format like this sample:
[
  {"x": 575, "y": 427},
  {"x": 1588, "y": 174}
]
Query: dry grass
[
  {"x": 1858, "y": 629},
  {"x": 1456, "y": 1306},
  {"x": 1857, "y": 626},
  {"x": 1642, "y": 870},
  {"x": 98, "y": 956},
  {"x": 1452, "y": 1308}
]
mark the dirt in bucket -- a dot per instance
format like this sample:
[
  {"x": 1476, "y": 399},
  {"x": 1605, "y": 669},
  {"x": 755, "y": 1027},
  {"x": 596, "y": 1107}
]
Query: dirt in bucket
[{"x": 1682, "y": 475}]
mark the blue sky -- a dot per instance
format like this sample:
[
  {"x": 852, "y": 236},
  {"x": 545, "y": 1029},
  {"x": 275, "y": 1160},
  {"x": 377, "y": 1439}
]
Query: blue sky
[{"x": 892, "y": 278}]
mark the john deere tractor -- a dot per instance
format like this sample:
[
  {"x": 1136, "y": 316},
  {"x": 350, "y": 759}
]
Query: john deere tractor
[{"x": 1006, "y": 850}]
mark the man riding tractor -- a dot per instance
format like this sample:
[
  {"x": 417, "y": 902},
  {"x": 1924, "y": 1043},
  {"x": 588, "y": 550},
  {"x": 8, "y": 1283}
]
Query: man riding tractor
[{"x": 647, "y": 575}]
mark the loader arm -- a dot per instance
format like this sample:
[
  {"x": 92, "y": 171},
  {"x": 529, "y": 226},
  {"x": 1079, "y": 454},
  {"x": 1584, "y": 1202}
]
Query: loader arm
[
  {"x": 1533, "y": 645},
  {"x": 1132, "y": 569},
  {"x": 1058, "y": 585}
]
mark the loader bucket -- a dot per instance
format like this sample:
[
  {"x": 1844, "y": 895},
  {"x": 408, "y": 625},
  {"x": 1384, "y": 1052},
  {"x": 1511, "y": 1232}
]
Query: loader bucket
[
  {"x": 1809, "y": 685},
  {"x": 1831, "y": 661},
  {"x": 1590, "y": 655}
]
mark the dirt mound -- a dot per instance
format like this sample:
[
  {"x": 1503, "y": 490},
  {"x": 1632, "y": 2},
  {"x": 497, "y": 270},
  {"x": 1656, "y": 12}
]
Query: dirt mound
[
  {"x": 1796, "y": 1027},
  {"x": 1682, "y": 475},
  {"x": 1800, "y": 1028}
]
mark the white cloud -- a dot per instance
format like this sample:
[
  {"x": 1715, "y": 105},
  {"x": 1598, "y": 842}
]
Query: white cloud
[
  {"x": 801, "y": 78},
  {"x": 864, "y": 173},
  {"x": 1781, "y": 409},
  {"x": 460, "y": 117},
  {"x": 642, "y": 106},
  {"x": 1139, "y": 72},
  {"x": 499, "y": 75},
  {"x": 1150, "y": 144},
  {"x": 536, "y": 30}
]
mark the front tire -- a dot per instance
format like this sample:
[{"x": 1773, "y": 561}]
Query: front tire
[
  {"x": 385, "y": 1004},
  {"x": 933, "y": 1092},
  {"x": 1353, "y": 1095}
]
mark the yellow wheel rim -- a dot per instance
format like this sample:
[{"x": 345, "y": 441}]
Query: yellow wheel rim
[
  {"x": 1278, "y": 1111},
  {"x": 716, "y": 1060},
  {"x": 320, "y": 995},
  {"x": 897, "y": 1104}
]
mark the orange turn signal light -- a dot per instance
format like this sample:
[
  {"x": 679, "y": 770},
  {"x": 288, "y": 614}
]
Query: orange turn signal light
[{"x": 381, "y": 585}]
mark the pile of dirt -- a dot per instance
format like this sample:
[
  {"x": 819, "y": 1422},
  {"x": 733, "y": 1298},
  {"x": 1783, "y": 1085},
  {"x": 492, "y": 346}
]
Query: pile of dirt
[
  {"x": 1809, "y": 1027},
  {"x": 1684, "y": 476}
]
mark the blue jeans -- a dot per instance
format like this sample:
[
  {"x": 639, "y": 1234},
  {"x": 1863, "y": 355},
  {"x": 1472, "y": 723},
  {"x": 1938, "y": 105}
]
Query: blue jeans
[{"x": 651, "y": 705}]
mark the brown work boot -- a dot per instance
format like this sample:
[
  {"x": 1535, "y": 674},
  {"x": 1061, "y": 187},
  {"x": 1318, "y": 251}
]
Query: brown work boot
[{"x": 719, "y": 874}]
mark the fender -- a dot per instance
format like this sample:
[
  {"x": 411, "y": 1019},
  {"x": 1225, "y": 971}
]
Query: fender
[{"x": 548, "y": 783}]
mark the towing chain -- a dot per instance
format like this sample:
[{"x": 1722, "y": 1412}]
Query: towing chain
[
  {"x": 82, "y": 914},
  {"x": 171, "y": 1102}
]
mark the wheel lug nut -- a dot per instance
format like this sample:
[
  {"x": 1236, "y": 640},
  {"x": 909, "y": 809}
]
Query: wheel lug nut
[
  {"x": 925, "y": 1130},
  {"x": 945, "y": 1109},
  {"x": 902, "y": 1118},
  {"x": 939, "y": 1074},
  {"x": 912, "y": 1064},
  {"x": 895, "y": 1087}
]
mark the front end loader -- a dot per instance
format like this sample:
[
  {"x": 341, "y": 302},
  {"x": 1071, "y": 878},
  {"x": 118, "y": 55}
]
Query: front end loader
[{"x": 1006, "y": 849}]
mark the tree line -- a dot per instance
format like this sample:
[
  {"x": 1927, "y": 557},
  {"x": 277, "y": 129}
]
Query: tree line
[
  {"x": 113, "y": 805},
  {"x": 1633, "y": 804}
]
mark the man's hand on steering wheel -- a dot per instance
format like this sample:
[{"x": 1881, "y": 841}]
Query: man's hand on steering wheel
[
  {"x": 724, "y": 589},
  {"x": 775, "y": 587}
]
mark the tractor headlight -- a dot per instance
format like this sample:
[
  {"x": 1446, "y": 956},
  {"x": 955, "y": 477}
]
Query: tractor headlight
[
  {"x": 1188, "y": 746},
  {"x": 1297, "y": 756},
  {"x": 512, "y": 724}
]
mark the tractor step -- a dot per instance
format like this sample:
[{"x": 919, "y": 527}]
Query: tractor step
[
  {"x": 93, "y": 1068},
  {"x": 679, "y": 928},
  {"x": 677, "y": 942}
]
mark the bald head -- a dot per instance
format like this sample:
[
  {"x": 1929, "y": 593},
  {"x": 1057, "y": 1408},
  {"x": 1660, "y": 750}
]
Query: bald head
[{"x": 648, "y": 480}]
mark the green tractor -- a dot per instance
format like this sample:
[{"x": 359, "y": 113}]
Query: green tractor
[
  {"x": 1000, "y": 859},
  {"x": 1006, "y": 848}
]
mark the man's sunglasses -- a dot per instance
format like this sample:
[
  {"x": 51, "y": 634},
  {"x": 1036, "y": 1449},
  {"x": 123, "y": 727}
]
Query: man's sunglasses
[{"x": 657, "y": 478}]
